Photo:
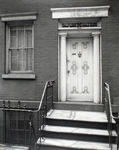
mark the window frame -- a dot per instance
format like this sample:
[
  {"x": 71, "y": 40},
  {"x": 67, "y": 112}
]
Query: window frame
[{"x": 8, "y": 61}]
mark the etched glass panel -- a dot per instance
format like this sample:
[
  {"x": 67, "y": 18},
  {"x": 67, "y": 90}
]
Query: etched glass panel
[
  {"x": 85, "y": 67},
  {"x": 74, "y": 67}
]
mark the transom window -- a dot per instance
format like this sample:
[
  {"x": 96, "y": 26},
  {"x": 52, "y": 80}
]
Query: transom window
[
  {"x": 88, "y": 24},
  {"x": 20, "y": 50}
]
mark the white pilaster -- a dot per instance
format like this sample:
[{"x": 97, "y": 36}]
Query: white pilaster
[
  {"x": 63, "y": 67},
  {"x": 96, "y": 50}
]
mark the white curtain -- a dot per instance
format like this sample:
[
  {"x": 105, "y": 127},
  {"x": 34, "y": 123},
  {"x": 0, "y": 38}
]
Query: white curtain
[{"x": 21, "y": 49}]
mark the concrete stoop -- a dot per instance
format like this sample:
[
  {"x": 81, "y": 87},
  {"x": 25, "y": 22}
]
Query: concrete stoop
[{"x": 76, "y": 130}]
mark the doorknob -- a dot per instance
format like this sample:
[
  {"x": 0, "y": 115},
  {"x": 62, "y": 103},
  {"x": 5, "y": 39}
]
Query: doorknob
[{"x": 68, "y": 71}]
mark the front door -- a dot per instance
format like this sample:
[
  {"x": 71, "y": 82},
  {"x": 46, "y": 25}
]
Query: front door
[{"x": 80, "y": 69}]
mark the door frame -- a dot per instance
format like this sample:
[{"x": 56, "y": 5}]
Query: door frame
[{"x": 97, "y": 55}]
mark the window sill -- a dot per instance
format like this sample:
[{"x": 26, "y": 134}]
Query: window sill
[{"x": 18, "y": 76}]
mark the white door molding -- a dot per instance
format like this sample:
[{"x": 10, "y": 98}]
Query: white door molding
[
  {"x": 63, "y": 67},
  {"x": 96, "y": 51},
  {"x": 73, "y": 13},
  {"x": 80, "y": 12}
]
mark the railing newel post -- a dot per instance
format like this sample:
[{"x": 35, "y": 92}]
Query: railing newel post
[
  {"x": 8, "y": 103},
  {"x": 4, "y": 126},
  {"x": 19, "y": 104},
  {"x": 46, "y": 101},
  {"x": 29, "y": 130},
  {"x": 52, "y": 95},
  {"x": 117, "y": 135},
  {"x": 3, "y": 105},
  {"x": 110, "y": 117}
]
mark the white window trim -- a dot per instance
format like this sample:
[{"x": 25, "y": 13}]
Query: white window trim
[
  {"x": 18, "y": 17},
  {"x": 18, "y": 76}
]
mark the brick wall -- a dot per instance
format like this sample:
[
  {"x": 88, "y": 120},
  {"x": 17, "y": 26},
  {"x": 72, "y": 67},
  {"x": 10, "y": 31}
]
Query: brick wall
[
  {"x": 46, "y": 49},
  {"x": 45, "y": 42}
]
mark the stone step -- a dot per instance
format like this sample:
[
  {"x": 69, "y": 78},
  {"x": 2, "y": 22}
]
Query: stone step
[
  {"x": 85, "y": 119},
  {"x": 75, "y": 133},
  {"x": 61, "y": 144},
  {"x": 11, "y": 147},
  {"x": 82, "y": 106},
  {"x": 75, "y": 130},
  {"x": 78, "y": 115}
]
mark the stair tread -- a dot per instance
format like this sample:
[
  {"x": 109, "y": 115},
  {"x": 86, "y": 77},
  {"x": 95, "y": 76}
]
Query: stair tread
[
  {"x": 11, "y": 147},
  {"x": 75, "y": 144},
  {"x": 76, "y": 130},
  {"x": 78, "y": 115}
]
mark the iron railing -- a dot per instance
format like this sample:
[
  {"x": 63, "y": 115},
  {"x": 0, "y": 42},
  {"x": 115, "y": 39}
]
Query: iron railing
[
  {"x": 110, "y": 117},
  {"x": 22, "y": 126}
]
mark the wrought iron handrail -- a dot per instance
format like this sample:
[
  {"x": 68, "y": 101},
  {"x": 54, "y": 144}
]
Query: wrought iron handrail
[
  {"x": 39, "y": 114},
  {"x": 108, "y": 110},
  {"x": 48, "y": 83}
]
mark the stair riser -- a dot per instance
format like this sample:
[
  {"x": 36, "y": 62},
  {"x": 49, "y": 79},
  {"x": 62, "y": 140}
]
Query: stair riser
[
  {"x": 81, "y": 107},
  {"x": 72, "y": 123},
  {"x": 81, "y": 137},
  {"x": 42, "y": 147}
]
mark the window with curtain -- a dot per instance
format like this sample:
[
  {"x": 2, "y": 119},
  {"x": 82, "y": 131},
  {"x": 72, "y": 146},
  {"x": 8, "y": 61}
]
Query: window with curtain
[{"x": 20, "y": 50}]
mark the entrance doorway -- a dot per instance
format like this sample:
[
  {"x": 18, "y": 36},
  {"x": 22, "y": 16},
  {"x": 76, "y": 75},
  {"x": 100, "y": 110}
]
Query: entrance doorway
[{"x": 79, "y": 74}]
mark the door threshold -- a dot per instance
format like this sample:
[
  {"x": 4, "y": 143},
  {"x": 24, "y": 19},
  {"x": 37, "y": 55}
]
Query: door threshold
[{"x": 79, "y": 102}]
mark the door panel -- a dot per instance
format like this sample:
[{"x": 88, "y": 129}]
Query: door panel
[{"x": 79, "y": 69}]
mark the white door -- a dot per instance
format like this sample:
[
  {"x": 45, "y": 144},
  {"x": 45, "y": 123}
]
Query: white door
[{"x": 80, "y": 69}]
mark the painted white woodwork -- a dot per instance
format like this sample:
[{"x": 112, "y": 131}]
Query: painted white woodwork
[
  {"x": 80, "y": 69},
  {"x": 94, "y": 74},
  {"x": 96, "y": 49},
  {"x": 80, "y": 12},
  {"x": 18, "y": 76},
  {"x": 63, "y": 67},
  {"x": 19, "y": 16}
]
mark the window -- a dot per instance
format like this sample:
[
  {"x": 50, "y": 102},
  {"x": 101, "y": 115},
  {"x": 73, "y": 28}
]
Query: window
[
  {"x": 20, "y": 49},
  {"x": 19, "y": 45}
]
